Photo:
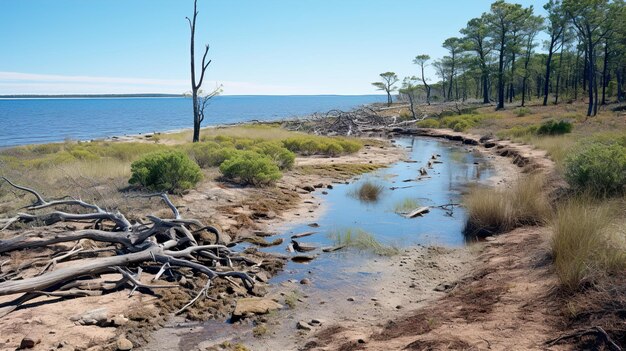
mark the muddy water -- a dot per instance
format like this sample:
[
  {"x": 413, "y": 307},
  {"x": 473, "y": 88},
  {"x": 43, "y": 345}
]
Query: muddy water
[{"x": 348, "y": 273}]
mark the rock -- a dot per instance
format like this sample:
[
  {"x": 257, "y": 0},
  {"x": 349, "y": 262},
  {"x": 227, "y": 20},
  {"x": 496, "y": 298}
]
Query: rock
[
  {"x": 319, "y": 185},
  {"x": 315, "y": 322},
  {"x": 262, "y": 277},
  {"x": 99, "y": 316},
  {"x": 27, "y": 343},
  {"x": 302, "y": 325},
  {"x": 305, "y": 281},
  {"x": 119, "y": 320},
  {"x": 351, "y": 299},
  {"x": 255, "y": 305},
  {"x": 124, "y": 344},
  {"x": 308, "y": 188},
  {"x": 324, "y": 192},
  {"x": 329, "y": 186},
  {"x": 444, "y": 286},
  {"x": 314, "y": 225}
]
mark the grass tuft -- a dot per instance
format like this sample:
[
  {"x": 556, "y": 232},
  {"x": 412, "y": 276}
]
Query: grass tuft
[
  {"x": 368, "y": 191},
  {"x": 584, "y": 244},
  {"x": 362, "y": 240},
  {"x": 493, "y": 211}
]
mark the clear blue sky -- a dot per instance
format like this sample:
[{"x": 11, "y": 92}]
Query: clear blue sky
[{"x": 257, "y": 46}]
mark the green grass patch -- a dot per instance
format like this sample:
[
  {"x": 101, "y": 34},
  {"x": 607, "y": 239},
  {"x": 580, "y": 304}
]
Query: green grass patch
[
  {"x": 362, "y": 240},
  {"x": 406, "y": 205}
]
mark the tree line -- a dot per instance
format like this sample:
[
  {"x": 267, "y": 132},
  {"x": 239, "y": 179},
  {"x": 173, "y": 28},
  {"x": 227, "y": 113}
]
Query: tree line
[{"x": 496, "y": 57}]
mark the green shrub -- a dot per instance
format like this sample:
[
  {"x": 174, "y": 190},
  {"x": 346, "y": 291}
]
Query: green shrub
[
  {"x": 170, "y": 171},
  {"x": 518, "y": 131},
  {"x": 210, "y": 154},
  {"x": 283, "y": 158},
  {"x": 522, "y": 111},
  {"x": 428, "y": 123},
  {"x": 249, "y": 167},
  {"x": 311, "y": 145},
  {"x": 597, "y": 168},
  {"x": 460, "y": 123},
  {"x": 554, "y": 128}
]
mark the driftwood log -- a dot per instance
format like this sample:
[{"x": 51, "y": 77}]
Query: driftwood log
[{"x": 161, "y": 245}]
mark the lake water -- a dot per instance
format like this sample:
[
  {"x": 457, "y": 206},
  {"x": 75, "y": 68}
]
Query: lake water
[{"x": 32, "y": 121}]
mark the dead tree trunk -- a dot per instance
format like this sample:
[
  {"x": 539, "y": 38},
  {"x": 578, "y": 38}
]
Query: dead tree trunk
[{"x": 198, "y": 115}]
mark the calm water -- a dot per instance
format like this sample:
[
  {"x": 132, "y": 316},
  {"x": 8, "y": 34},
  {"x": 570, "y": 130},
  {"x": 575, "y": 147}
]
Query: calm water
[
  {"x": 459, "y": 167},
  {"x": 30, "y": 121}
]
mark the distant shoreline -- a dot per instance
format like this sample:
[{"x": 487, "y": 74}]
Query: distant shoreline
[{"x": 88, "y": 96}]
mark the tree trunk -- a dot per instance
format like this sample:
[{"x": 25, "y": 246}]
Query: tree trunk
[
  {"x": 546, "y": 85},
  {"x": 604, "y": 71},
  {"x": 558, "y": 72},
  {"x": 501, "y": 75}
]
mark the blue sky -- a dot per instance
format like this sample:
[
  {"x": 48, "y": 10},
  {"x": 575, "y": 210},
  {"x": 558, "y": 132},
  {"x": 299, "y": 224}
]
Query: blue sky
[{"x": 275, "y": 47}]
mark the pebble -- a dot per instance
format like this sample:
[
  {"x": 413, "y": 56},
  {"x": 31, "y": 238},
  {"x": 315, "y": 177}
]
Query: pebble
[
  {"x": 302, "y": 325},
  {"x": 305, "y": 281},
  {"x": 351, "y": 299},
  {"x": 27, "y": 343},
  {"x": 124, "y": 344}
]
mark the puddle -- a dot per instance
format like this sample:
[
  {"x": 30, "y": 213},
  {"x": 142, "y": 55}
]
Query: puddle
[{"x": 345, "y": 273}]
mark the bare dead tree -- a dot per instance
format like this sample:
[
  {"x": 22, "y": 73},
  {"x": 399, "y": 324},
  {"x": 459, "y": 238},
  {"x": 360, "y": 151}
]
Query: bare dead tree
[{"x": 198, "y": 105}]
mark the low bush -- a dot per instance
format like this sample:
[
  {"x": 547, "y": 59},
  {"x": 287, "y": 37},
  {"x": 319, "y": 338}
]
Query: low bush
[
  {"x": 551, "y": 127},
  {"x": 312, "y": 145},
  {"x": 522, "y": 111},
  {"x": 460, "y": 123},
  {"x": 597, "y": 168},
  {"x": 171, "y": 171},
  {"x": 249, "y": 167},
  {"x": 283, "y": 158},
  {"x": 428, "y": 123},
  {"x": 583, "y": 247},
  {"x": 493, "y": 211},
  {"x": 210, "y": 154},
  {"x": 518, "y": 131}
]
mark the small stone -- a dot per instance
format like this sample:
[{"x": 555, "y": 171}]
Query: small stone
[
  {"x": 350, "y": 299},
  {"x": 119, "y": 320},
  {"x": 303, "y": 326},
  {"x": 308, "y": 188},
  {"x": 361, "y": 341},
  {"x": 305, "y": 281},
  {"x": 314, "y": 225},
  {"x": 329, "y": 186},
  {"x": 27, "y": 343},
  {"x": 399, "y": 307},
  {"x": 124, "y": 344},
  {"x": 316, "y": 322}
]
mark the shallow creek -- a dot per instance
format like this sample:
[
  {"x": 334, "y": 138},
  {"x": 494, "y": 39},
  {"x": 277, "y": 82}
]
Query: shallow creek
[{"x": 349, "y": 273}]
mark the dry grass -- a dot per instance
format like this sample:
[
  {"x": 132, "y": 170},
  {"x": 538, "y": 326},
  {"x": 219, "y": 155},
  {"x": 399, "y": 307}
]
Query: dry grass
[
  {"x": 368, "y": 191},
  {"x": 493, "y": 211},
  {"x": 253, "y": 131},
  {"x": 587, "y": 243}
]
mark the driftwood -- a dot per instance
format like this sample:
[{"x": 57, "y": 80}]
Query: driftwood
[
  {"x": 301, "y": 247},
  {"x": 418, "y": 212},
  {"x": 160, "y": 245}
]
